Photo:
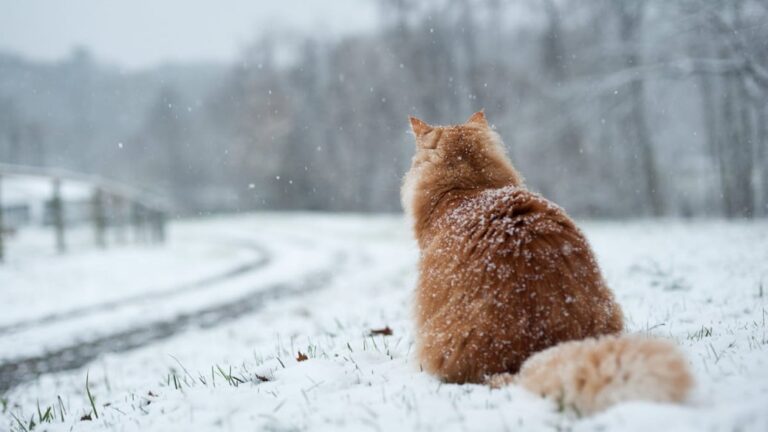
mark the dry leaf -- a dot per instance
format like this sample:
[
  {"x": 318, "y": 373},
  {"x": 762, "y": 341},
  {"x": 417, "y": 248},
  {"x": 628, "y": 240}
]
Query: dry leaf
[
  {"x": 386, "y": 331},
  {"x": 262, "y": 378},
  {"x": 301, "y": 357}
]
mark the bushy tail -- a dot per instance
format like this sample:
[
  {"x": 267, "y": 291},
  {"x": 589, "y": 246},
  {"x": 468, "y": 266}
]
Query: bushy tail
[{"x": 592, "y": 374}]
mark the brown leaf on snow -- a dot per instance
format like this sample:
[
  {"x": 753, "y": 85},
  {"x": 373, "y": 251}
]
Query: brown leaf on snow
[
  {"x": 262, "y": 378},
  {"x": 386, "y": 331},
  {"x": 301, "y": 357}
]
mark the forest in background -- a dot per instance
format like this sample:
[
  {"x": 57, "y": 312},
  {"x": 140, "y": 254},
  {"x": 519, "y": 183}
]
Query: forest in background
[{"x": 610, "y": 108}]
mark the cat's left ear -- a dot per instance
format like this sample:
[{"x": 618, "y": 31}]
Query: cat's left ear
[
  {"x": 478, "y": 118},
  {"x": 419, "y": 127}
]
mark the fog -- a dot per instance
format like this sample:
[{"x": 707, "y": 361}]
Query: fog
[{"x": 615, "y": 109}]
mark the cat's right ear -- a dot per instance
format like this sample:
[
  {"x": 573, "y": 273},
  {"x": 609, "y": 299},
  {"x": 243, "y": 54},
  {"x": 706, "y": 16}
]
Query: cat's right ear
[
  {"x": 478, "y": 118},
  {"x": 419, "y": 127}
]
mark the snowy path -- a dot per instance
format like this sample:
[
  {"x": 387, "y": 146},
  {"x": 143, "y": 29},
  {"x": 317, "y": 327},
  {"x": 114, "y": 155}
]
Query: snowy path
[
  {"x": 39, "y": 285},
  {"x": 82, "y": 351},
  {"x": 72, "y": 337},
  {"x": 154, "y": 295},
  {"x": 700, "y": 284}
]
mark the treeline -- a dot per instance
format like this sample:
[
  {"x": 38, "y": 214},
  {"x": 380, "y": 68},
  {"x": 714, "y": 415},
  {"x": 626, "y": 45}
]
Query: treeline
[{"x": 612, "y": 108}]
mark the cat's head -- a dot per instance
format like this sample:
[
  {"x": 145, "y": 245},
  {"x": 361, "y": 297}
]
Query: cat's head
[{"x": 466, "y": 156}]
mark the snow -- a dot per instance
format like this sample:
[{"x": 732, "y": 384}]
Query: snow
[
  {"x": 91, "y": 277},
  {"x": 698, "y": 283}
]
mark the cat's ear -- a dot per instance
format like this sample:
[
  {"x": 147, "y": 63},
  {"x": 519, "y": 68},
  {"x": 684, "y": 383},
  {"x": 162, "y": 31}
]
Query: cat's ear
[
  {"x": 419, "y": 127},
  {"x": 478, "y": 118}
]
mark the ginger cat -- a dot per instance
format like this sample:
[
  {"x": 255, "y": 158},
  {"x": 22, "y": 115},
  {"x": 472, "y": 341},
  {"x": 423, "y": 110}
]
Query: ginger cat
[{"x": 505, "y": 274}]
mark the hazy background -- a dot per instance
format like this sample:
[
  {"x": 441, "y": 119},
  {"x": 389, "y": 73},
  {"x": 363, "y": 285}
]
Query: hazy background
[{"x": 611, "y": 108}]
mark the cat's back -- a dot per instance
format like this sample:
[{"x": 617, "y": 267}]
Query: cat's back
[
  {"x": 509, "y": 248},
  {"x": 508, "y": 222}
]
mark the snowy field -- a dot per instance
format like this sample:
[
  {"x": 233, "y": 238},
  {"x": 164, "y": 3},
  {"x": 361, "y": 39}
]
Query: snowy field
[{"x": 266, "y": 322}]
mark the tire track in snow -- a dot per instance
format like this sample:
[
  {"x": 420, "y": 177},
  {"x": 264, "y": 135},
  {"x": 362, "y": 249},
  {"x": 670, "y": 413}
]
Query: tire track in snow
[
  {"x": 17, "y": 371},
  {"x": 263, "y": 260}
]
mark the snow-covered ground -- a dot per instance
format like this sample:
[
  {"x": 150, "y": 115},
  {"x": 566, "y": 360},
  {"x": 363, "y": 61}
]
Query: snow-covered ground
[{"x": 231, "y": 304}]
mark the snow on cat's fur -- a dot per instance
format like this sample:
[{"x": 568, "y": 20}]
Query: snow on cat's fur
[{"x": 505, "y": 274}]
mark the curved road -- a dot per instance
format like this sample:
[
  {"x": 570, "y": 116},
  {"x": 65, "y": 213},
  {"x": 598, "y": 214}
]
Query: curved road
[
  {"x": 262, "y": 260},
  {"x": 78, "y": 353}
]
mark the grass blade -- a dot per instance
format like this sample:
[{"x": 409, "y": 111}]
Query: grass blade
[{"x": 90, "y": 396}]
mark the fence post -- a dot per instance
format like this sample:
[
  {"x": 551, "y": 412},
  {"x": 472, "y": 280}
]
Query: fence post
[
  {"x": 137, "y": 220},
  {"x": 121, "y": 218},
  {"x": 158, "y": 226},
  {"x": 99, "y": 217},
  {"x": 57, "y": 209},
  {"x": 161, "y": 224},
  {"x": 2, "y": 227}
]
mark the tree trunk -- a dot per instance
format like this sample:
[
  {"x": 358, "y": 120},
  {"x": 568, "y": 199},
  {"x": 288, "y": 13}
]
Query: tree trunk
[
  {"x": 762, "y": 158},
  {"x": 631, "y": 16}
]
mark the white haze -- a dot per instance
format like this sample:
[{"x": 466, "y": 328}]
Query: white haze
[{"x": 143, "y": 33}]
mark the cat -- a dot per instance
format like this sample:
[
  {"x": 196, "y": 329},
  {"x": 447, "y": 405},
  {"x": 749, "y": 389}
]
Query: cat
[{"x": 509, "y": 290}]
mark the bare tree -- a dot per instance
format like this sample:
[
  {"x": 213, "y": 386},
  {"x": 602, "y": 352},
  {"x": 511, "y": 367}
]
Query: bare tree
[{"x": 630, "y": 19}]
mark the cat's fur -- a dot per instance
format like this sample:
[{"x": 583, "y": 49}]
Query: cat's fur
[{"x": 505, "y": 274}]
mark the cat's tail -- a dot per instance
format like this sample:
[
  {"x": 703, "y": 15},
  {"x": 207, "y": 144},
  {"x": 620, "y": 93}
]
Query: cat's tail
[{"x": 592, "y": 374}]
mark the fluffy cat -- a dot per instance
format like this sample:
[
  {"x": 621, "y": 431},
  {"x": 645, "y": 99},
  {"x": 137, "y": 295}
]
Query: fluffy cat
[{"x": 507, "y": 282}]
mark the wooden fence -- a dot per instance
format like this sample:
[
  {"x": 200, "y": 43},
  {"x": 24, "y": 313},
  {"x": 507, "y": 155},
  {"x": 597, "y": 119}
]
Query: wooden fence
[{"x": 112, "y": 205}]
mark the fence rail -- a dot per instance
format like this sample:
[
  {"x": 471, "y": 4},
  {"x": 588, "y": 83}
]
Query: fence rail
[{"x": 112, "y": 205}]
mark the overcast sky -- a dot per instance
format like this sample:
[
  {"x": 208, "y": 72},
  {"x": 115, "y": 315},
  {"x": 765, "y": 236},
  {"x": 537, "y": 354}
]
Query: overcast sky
[{"x": 139, "y": 33}]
